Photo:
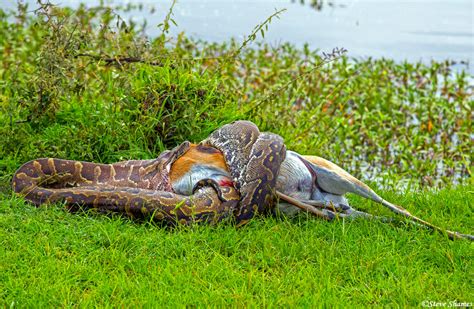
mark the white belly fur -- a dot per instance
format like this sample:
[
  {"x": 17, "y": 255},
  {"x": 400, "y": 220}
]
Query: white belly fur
[
  {"x": 186, "y": 183},
  {"x": 296, "y": 181}
]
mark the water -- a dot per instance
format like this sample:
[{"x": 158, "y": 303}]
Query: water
[{"x": 410, "y": 30}]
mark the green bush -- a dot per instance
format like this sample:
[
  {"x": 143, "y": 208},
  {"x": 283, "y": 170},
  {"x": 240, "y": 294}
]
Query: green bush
[{"x": 84, "y": 84}]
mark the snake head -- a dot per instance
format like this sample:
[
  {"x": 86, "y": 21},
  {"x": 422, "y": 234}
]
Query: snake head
[
  {"x": 253, "y": 159},
  {"x": 235, "y": 140}
]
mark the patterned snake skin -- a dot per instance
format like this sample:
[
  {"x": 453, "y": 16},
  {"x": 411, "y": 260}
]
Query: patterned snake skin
[
  {"x": 254, "y": 161},
  {"x": 142, "y": 188}
]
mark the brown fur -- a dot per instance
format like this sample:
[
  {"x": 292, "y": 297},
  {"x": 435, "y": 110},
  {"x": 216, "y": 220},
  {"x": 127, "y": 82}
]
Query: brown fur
[
  {"x": 197, "y": 154},
  {"x": 333, "y": 167}
]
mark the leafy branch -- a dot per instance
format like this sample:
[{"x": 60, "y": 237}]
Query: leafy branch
[{"x": 259, "y": 29}]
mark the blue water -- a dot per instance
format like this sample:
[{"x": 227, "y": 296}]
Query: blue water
[{"x": 401, "y": 30}]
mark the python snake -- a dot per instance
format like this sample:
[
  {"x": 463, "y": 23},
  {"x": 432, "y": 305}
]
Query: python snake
[
  {"x": 236, "y": 173},
  {"x": 141, "y": 188}
]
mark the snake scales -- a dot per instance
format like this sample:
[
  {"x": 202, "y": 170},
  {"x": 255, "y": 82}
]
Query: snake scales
[
  {"x": 239, "y": 172},
  {"x": 141, "y": 188}
]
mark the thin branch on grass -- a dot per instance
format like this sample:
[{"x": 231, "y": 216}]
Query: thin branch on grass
[{"x": 303, "y": 206}]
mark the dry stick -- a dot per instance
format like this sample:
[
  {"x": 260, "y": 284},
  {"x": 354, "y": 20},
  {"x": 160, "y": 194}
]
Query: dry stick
[
  {"x": 118, "y": 60},
  {"x": 306, "y": 207}
]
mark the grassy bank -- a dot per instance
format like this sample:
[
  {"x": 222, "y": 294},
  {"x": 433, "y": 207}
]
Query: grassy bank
[
  {"x": 52, "y": 258},
  {"x": 74, "y": 86}
]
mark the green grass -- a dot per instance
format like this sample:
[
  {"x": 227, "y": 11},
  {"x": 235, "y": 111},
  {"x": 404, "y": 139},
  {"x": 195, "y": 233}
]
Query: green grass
[
  {"x": 406, "y": 127},
  {"x": 53, "y": 258}
]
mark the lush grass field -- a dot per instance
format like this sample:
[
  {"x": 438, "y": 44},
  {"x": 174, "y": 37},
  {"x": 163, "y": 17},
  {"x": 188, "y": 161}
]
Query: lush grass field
[
  {"x": 67, "y": 91},
  {"x": 52, "y": 258}
]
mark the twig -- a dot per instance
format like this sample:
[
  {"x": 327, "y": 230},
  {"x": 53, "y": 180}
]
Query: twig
[
  {"x": 306, "y": 207},
  {"x": 119, "y": 60}
]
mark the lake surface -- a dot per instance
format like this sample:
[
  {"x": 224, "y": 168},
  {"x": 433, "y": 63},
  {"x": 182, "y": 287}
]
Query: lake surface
[{"x": 401, "y": 30}]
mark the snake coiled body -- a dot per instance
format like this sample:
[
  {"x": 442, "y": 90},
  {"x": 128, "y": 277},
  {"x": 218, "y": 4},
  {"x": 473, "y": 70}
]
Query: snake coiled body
[
  {"x": 234, "y": 174},
  {"x": 137, "y": 188},
  {"x": 142, "y": 188},
  {"x": 254, "y": 160}
]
